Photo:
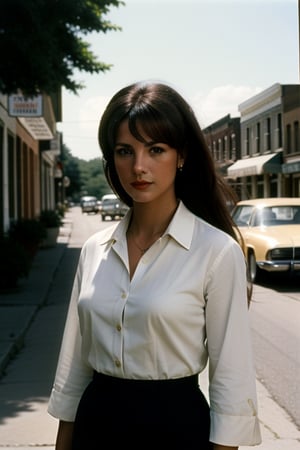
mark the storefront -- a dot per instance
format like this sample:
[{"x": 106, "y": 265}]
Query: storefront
[
  {"x": 259, "y": 176},
  {"x": 291, "y": 173}
]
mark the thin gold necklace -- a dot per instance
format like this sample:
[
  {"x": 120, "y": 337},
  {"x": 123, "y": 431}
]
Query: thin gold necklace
[{"x": 141, "y": 249}]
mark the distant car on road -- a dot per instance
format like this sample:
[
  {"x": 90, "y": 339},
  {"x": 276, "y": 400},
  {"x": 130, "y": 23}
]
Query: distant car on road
[
  {"x": 89, "y": 204},
  {"x": 99, "y": 203},
  {"x": 270, "y": 228},
  {"x": 112, "y": 207}
]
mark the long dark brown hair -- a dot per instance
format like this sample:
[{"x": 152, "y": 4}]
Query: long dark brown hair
[{"x": 164, "y": 116}]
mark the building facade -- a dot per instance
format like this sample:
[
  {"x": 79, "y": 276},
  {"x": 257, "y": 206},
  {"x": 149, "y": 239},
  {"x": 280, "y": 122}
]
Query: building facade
[
  {"x": 27, "y": 161},
  {"x": 291, "y": 154},
  {"x": 223, "y": 140},
  {"x": 269, "y": 164}
]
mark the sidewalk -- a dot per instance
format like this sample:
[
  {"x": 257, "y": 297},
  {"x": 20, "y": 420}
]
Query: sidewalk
[
  {"x": 29, "y": 339},
  {"x": 19, "y": 308}
]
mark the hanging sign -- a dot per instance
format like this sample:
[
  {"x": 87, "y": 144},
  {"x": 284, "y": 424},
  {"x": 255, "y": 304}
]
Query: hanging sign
[{"x": 21, "y": 106}]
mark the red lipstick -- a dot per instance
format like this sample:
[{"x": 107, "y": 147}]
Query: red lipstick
[{"x": 140, "y": 185}]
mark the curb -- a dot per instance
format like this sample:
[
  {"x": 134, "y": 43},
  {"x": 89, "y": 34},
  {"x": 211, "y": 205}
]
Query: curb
[{"x": 17, "y": 340}]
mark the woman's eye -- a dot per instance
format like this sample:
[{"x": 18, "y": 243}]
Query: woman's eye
[
  {"x": 156, "y": 149},
  {"x": 123, "y": 151}
]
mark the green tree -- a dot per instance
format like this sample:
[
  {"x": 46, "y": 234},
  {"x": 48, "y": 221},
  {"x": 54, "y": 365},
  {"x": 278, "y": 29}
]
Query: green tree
[
  {"x": 93, "y": 180},
  {"x": 86, "y": 177},
  {"x": 72, "y": 171},
  {"x": 41, "y": 43}
]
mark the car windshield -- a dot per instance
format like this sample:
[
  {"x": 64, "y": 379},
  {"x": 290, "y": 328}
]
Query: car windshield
[
  {"x": 88, "y": 199},
  {"x": 109, "y": 201},
  {"x": 246, "y": 215},
  {"x": 241, "y": 215}
]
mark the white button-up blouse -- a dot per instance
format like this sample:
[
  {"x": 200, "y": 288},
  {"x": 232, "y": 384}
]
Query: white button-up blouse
[{"x": 185, "y": 305}]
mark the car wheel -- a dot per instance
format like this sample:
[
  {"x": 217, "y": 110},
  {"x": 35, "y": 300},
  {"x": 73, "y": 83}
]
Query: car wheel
[{"x": 252, "y": 267}]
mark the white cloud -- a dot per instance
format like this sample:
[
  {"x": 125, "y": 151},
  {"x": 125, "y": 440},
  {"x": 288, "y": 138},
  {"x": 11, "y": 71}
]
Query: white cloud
[{"x": 221, "y": 101}]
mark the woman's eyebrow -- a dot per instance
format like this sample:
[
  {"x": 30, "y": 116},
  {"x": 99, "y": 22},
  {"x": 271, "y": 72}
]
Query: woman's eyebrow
[
  {"x": 146, "y": 144},
  {"x": 123, "y": 144},
  {"x": 150, "y": 143}
]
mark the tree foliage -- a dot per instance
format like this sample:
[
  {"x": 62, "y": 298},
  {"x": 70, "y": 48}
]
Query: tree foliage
[
  {"x": 41, "y": 43},
  {"x": 71, "y": 170},
  {"x": 86, "y": 177},
  {"x": 93, "y": 180}
]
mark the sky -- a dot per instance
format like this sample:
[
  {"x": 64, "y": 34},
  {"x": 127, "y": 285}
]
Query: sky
[{"x": 216, "y": 53}]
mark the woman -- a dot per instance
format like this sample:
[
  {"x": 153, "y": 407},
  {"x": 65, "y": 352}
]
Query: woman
[{"x": 158, "y": 296}]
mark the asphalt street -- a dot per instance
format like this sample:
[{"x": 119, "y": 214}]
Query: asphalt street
[{"x": 31, "y": 324}]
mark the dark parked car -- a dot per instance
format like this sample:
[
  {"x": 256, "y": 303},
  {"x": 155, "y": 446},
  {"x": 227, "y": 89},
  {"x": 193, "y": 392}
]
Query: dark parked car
[{"x": 89, "y": 204}]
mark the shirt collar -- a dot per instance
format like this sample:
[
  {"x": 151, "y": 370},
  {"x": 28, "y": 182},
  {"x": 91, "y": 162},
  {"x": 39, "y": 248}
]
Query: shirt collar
[
  {"x": 180, "y": 228},
  {"x": 116, "y": 233}
]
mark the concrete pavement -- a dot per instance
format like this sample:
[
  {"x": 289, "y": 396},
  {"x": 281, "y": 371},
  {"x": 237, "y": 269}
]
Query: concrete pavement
[{"x": 31, "y": 324}]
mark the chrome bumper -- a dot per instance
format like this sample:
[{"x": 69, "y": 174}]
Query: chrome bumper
[{"x": 279, "y": 266}]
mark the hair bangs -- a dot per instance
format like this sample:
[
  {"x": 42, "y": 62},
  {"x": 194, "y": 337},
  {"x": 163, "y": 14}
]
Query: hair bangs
[{"x": 145, "y": 122}]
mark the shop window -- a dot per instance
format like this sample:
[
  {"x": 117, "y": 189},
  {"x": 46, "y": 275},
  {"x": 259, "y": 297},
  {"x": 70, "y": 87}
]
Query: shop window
[
  {"x": 296, "y": 137},
  {"x": 257, "y": 138},
  {"x": 267, "y": 135},
  {"x": 219, "y": 151},
  {"x": 214, "y": 150},
  {"x": 1, "y": 179},
  {"x": 11, "y": 177},
  {"x": 288, "y": 139},
  {"x": 232, "y": 155},
  {"x": 248, "y": 142},
  {"x": 278, "y": 131},
  {"x": 225, "y": 148}
]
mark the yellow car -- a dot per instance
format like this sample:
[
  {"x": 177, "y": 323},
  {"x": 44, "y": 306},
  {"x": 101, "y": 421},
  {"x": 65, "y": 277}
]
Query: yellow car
[{"x": 270, "y": 228}]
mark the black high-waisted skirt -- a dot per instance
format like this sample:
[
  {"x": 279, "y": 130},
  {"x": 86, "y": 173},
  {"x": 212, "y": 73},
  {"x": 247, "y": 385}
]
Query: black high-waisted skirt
[{"x": 154, "y": 414}]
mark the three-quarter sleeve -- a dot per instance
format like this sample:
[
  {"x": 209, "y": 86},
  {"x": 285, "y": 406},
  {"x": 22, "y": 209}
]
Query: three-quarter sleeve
[
  {"x": 232, "y": 390},
  {"x": 72, "y": 374}
]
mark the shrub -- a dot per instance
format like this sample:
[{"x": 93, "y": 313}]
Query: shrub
[
  {"x": 50, "y": 218},
  {"x": 29, "y": 233},
  {"x": 15, "y": 263}
]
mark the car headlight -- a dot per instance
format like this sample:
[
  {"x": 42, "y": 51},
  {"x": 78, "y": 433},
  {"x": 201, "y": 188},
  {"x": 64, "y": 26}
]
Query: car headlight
[{"x": 280, "y": 253}]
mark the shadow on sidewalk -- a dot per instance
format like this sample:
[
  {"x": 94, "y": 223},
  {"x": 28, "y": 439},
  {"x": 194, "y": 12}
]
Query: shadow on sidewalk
[{"x": 27, "y": 380}]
